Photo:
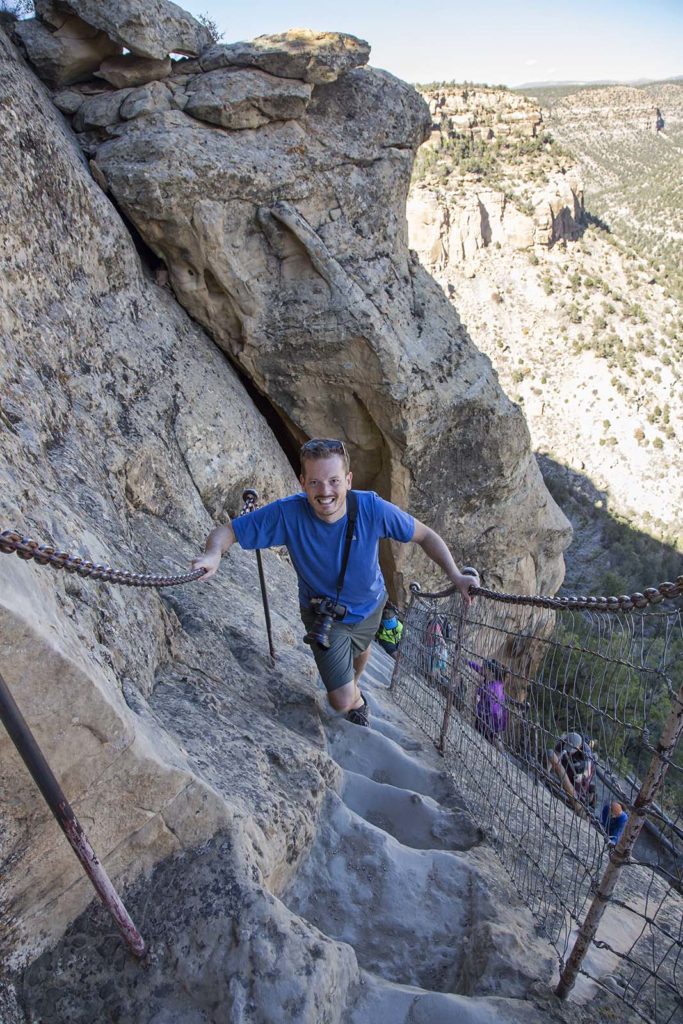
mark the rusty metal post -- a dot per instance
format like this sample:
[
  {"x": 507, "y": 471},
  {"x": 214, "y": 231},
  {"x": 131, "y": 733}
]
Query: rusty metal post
[
  {"x": 671, "y": 734},
  {"x": 397, "y": 659},
  {"x": 250, "y": 497},
  {"x": 44, "y": 778},
  {"x": 454, "y": 669},
  {"x": 468, "y": 570}
]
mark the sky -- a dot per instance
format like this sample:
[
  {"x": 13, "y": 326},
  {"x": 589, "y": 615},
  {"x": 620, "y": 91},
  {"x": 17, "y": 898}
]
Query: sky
[{"x": 493, "y": 41}]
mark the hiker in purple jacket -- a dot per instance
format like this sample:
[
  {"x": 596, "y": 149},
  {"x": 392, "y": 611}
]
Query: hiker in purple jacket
[{"x": 491, "y": 712}]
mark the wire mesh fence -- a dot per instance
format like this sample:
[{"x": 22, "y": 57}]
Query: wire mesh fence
[{"x": 549, "y": 721}]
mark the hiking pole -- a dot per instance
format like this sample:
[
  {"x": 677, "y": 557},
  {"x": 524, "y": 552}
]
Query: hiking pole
[
  {"x": 250, "y": 497},
  {"x": 44, "y": 778}
]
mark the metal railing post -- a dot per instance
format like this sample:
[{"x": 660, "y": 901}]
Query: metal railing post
[
  {"x": 399, "y": 652},
  {"x": 672, "y": 732},
  {"x": 44, "y": 778},
  {"x": 452, "y": 675},
  {"x": 250, "y": 498}
]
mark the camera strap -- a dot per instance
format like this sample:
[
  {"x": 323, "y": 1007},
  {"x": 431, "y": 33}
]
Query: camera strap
[{"x": 351, "y": 514}]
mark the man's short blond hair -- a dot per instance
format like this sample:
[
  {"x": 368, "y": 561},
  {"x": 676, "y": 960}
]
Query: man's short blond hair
[{"x": 323, "y": 448}]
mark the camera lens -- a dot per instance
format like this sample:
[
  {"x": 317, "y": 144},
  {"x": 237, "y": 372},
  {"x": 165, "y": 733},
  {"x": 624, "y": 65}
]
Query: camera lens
[{"x": 319, "y": 633}]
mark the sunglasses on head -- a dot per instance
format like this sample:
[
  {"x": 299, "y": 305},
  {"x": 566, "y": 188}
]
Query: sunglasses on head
[{"x": 323, "y": 444}]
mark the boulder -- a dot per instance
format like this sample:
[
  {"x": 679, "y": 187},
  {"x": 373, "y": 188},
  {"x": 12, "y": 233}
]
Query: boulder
[
  {"x": 148, "y": 28},
  {"x": 299, "y": 53},
  {"x": 100, "y": 111},
  {"x": 70, "y": 53},
  {"x": 68, "y": 100},
  {"x": 128, "y": 71},
  {"x": 245, "y": 98},
  {"x": 147, "y": 100}
]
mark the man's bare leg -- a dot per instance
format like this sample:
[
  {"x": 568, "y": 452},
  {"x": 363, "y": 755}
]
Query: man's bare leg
[
  {"x": 359, "y": 664},
  {"x": 348, "y": 697},
  {"x": 344, "y": 698}
]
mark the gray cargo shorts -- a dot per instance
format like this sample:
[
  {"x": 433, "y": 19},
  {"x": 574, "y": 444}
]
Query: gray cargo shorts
[{"x": 347, "y": 641}]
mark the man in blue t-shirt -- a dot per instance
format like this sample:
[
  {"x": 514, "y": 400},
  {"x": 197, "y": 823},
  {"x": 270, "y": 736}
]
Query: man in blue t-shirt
[{"x": 312, "y": 525}]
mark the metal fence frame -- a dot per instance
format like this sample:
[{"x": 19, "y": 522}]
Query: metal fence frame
[{"x": 442, "y": 704}]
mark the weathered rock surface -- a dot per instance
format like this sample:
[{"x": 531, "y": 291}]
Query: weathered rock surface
[
  {"x": 245, "y": 99},
  {"x": 482, "y": 113},
  {"x": 289, "y": 245},
  {"x": 100, "y": 111},
  {"x": 121, "y": 425},
  {"x": 70, "y": 53},
  {"x": 631, "y": 108},
  {"x": 447, "y": 229},
  {"x": 314, "y": 57},
  {"x": 127, "y": 70},
  {"x": 148, "y": 28},
  {"x": 146, "y": 100},
  {"x": 413, "y": 911}
]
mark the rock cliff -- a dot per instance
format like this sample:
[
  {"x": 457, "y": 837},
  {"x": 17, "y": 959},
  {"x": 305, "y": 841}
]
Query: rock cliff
[
  {"x": 122, "y": 426},
  {"x": 620, "y": 107},
  {"x": 481, "y": 112},
  {"x": 126, "y": 432},
  {"x": 582, "y": 330},
  {"x": 284, "y": 235}
]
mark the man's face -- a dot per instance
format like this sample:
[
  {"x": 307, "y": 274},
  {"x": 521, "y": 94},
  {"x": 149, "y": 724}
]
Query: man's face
[{"x": 326, "y": 484}]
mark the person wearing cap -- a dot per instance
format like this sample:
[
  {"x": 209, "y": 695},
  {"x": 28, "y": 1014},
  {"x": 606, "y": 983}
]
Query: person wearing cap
[
  {"x": 312, "y": 525},
  {"x": 576, "y": 757},
  {"x": 390, "y": 630}
]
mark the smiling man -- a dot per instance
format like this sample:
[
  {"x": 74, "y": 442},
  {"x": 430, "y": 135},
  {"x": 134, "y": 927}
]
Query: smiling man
[{"x": 341, "y": 611}]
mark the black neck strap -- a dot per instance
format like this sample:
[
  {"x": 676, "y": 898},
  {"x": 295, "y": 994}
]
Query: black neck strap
[{"x": 351, "y": 513}]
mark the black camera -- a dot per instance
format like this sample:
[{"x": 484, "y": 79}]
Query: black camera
[{"x": 326, "y": 611}]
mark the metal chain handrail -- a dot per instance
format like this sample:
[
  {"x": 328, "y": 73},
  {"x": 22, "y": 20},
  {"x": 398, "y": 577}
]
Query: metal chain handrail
[
  {"x": 623, "y": 603},
  {"x": 43, "y": 554}
]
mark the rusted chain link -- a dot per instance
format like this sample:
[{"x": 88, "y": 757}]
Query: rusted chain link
[
  {"x": 43, "y": 554},
  {"x": 623, "y": 603}
]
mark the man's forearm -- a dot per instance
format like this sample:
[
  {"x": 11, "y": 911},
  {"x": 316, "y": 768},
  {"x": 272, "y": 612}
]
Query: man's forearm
[
  {"x": 220, "y": 539},
  {"x": 436, "y": 548}
]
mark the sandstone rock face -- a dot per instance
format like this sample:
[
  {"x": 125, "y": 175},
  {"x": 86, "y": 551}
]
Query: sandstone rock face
[
  {"x": 127, "y": 70},
  {"x": 319, "y": 285},
  {"x": 244, "y": 99},
  {"x": 314, "y": 57},
  {"x": 450, "y": 228},
  {"x": 559, "y": 210},
  {"x": 121, "y": 425},
  {"x": 148, "y": 28},
  {"x": 455, "y": 210},
  {"x": 631, "y": 107},
  {"x": 597, "y": 376},
  {"x": 70, "y": 53},
  {"x": 483, "y": 113}
]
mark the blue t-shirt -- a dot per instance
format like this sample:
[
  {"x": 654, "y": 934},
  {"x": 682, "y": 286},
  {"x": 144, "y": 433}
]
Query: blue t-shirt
[{"x": 316, "y": 547}]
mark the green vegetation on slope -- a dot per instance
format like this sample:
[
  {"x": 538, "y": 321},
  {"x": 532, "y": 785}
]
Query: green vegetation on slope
[
  {"x": 634, "y": 176},
  {"x": 460, "y": 154}
]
